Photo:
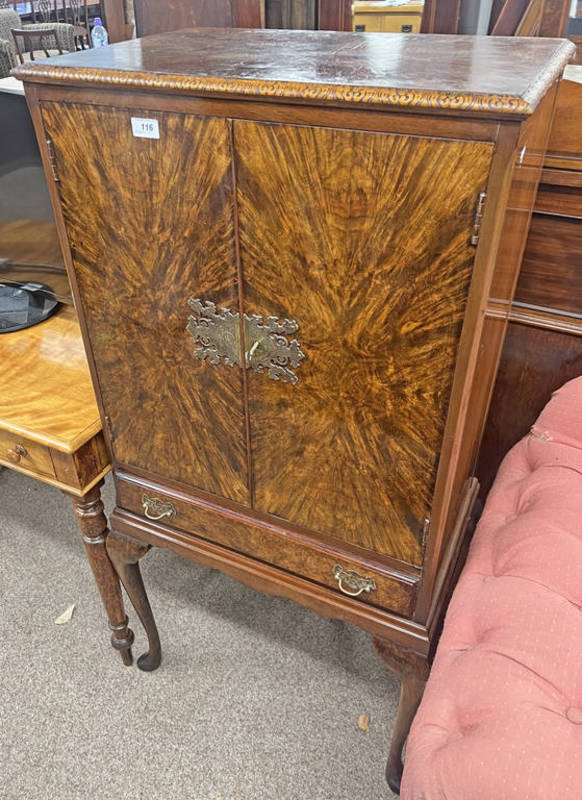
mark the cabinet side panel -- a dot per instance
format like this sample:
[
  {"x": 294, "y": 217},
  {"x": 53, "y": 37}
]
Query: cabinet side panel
[
  {"x": 150, "y": 224},
  {"x": 514, "y": 180},
  {"x": 364, "y": 240}
]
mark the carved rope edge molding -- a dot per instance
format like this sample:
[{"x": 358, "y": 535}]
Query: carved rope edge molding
[{"x": 506, "y": 104}]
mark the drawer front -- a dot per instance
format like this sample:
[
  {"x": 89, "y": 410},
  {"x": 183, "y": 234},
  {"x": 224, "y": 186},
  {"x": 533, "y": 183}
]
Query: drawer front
[
  {"x": 290, "y": 552},
  {"x": 16, "y": 451}
]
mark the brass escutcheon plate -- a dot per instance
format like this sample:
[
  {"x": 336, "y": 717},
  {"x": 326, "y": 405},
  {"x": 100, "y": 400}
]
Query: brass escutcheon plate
[{"x": 267, "y": 349}]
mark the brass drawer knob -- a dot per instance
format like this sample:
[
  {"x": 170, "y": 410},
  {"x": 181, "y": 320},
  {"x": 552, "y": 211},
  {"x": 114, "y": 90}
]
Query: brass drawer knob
[
  {"x": 156, "y": 508},
  {"x": 16, "y": 454},
  {"x": 351, "y": 583}
]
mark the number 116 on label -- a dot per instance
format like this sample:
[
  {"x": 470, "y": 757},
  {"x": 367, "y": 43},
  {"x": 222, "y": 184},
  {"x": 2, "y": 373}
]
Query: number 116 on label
[{"x": 145, "y": 128}]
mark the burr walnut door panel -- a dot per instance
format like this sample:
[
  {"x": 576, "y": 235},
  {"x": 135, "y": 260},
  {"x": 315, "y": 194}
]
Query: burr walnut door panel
[
  {"x": 363, "y": 240},
  {"x": 150, "y": 224}
]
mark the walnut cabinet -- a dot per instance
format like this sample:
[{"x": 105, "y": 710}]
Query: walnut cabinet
[{"x": 283, "y": 247}]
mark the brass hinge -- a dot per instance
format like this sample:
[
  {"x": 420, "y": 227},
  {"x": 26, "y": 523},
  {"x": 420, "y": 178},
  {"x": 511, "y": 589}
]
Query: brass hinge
[
  {"x": 53, "y": 160},
  {"x": 478, "y": 219},
  {"x": 109, "y": 428},
  {"x": 425, "y": 530}
]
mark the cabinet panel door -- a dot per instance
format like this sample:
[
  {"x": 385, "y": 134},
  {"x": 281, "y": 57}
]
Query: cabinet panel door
[
  {"x": 364, "y": 240},
  {"x": 150, "y": 224}
]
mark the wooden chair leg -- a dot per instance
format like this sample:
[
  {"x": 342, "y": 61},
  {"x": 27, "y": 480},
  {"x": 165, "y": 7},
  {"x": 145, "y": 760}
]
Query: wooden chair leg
[
  {"x": 125, "y": 554},
  {"x": 93, "y": 525},
  {"x": 412, "y": 670}
]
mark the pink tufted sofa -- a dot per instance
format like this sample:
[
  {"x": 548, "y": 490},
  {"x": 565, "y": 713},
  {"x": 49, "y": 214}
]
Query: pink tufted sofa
[{"x": 501, "y": 716}]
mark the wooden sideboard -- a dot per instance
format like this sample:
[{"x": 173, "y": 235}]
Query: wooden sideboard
[
  {"x": 543, "y": 348},
  {"x": 284, "y": 268},
  {"x": 369, "y": 17}
]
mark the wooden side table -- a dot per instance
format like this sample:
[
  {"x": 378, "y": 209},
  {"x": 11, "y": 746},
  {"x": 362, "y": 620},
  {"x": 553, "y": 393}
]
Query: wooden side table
[{"x": 50, "y": 429}]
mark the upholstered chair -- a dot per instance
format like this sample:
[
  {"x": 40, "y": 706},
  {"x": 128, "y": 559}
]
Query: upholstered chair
[{"x": 10, "y": 20}]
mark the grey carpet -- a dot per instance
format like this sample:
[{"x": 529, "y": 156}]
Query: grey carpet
[{"x": 256, "y": 699}]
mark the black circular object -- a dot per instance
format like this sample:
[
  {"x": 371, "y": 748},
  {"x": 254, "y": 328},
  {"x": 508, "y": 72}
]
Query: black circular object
[{"x": 24, "y": 305}]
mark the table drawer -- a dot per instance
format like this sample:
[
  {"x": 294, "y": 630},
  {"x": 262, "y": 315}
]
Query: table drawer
[
  {"x": 294, "y": 553},
  {"x": 21, "y": 453}
]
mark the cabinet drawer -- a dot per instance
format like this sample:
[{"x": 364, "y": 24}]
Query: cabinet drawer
[
  {"x": 292, "y": 552},
  {"x": 21, "y": 453}
]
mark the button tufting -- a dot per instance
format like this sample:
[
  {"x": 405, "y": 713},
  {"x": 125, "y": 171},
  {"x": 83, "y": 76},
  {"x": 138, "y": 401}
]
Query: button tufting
[{"x": 574, "y": 715}]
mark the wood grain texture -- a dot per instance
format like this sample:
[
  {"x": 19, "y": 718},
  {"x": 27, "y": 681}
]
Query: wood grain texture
[
  {"x": 562, "y": 200},
  {"x": 543, "y": 348},
  {"x": 358, "y": 237},
  {"x": 535, "y": 362},
  {"x": 175, "y": 241},
  {"x": 551, "y": 274},
  {"x": 16, "y": 450},
  {"x": 482, "y": 75},
  {"x": 152, "y": 16},
  {"x": 530, "y": 22},
  {"x": 293, "y": 14},
  {"x": 538, "y": 317},
  {"x": 125, "y": 553},
  {"x": 297, "y": 554},
  {"x": 413, "y": 671},
  {"x": 248, "y": 13},
  {"x": 373, "y": 119},
  {"x": 114, "y": 13},
  {"x": 474, "y": 376},
  {"x": 387, "y": 19},
  {"x": 93, "y": 524},
  {"x": 510, "y": 17},
  {"x": 90, "y": 460},
  {"x": 272, "y": 580},
  {"x": 565, "y": 133},
  {"x": 527, "y": 169},
  {"x": 362, "y": 237},
  {"x": 335, "y": 15},
  {"x": 46, "y": 392},
  {"x": 512, "y": 189},
  {"x": 32, "y": 242},
  {"x": 554, "y": 18},
  {"x": 441, "y": 16}
]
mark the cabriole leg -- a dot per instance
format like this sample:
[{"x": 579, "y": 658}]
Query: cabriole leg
[
  {"x": 125, "y": 554},
  {"x": 412, "y": 669},
  {"x": 93, "y": 525}
]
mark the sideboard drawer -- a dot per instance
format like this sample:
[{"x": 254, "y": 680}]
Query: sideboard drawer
[
  {"x": 300, "y": 555},
  {"x": 18, "y": 452}
]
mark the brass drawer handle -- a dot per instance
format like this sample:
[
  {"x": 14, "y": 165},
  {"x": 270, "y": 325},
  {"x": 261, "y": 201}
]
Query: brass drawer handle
[
  {"x": 16, "y": 454},
  {"x": 351, "y": 583},
  {"x": 156, "y": 508}
]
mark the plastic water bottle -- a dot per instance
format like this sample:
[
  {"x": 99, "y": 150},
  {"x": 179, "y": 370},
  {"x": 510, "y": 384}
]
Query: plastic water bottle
[{"x": 99, "y": 35}]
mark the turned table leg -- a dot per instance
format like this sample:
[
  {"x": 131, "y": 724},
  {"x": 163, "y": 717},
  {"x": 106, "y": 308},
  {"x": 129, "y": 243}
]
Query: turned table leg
[
  {"x": 93, "y": 525},
  {"x": 125, "y": 553},
  {"x": 412, "y": 670}
]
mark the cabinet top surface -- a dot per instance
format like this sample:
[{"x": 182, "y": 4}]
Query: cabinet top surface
[{"x": 505, "y": 76}]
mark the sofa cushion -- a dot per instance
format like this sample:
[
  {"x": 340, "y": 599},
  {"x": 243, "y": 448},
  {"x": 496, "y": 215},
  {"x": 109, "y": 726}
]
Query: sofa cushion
[{"x": 501, "y": 716}]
